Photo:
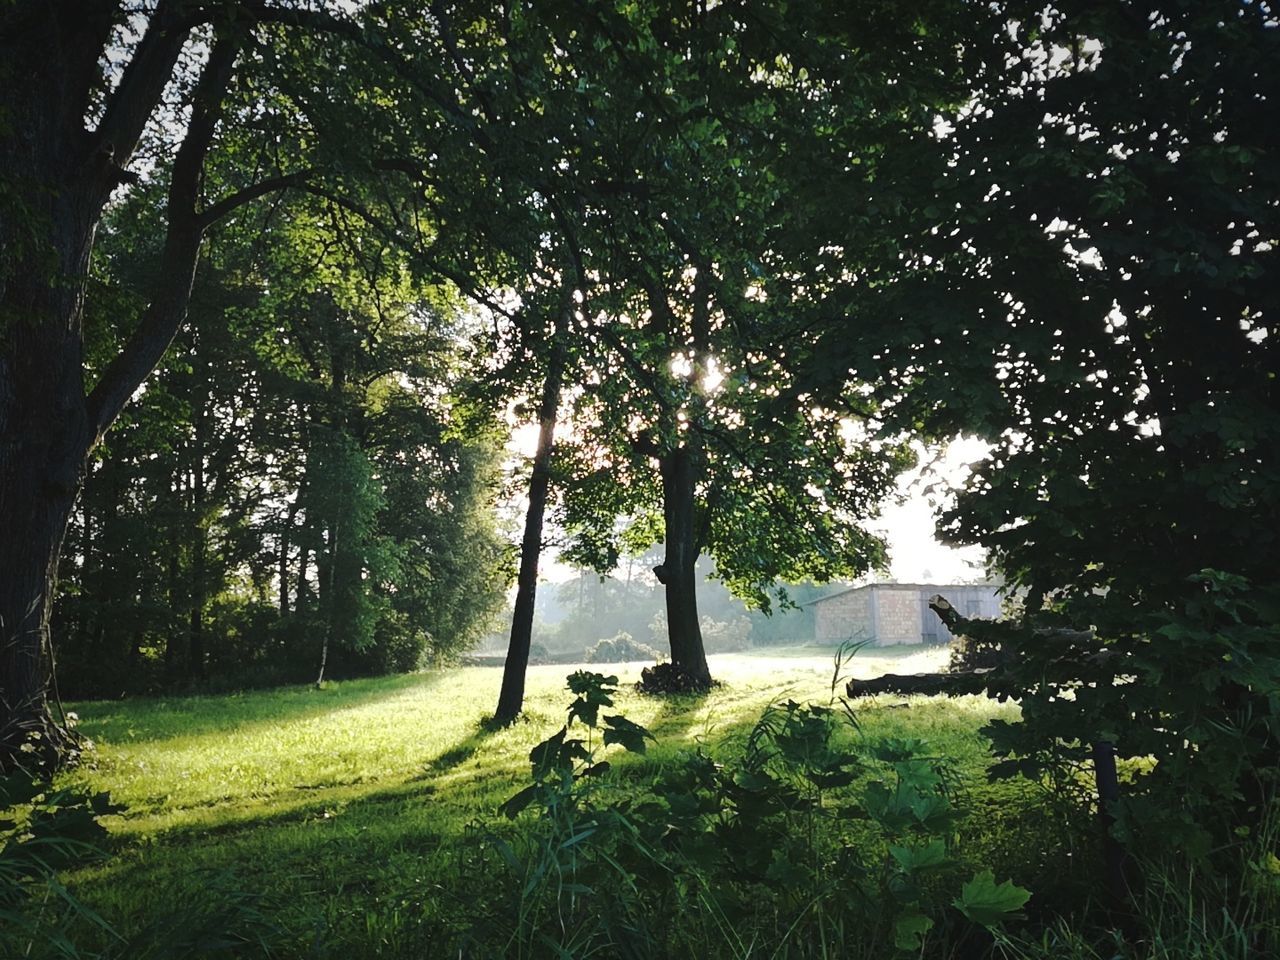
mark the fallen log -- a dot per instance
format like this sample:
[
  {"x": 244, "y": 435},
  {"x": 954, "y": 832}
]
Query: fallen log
[{"x": 923, "y": 684}]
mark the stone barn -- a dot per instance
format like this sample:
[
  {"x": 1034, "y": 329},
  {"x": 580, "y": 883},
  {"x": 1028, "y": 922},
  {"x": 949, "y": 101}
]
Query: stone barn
[{"x": 888, "y": 614}]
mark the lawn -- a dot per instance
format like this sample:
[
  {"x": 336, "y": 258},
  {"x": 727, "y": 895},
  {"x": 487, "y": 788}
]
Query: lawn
[{"x": 334, "y": 816}]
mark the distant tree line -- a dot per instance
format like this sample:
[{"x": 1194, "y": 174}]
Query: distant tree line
[{"x": 579, "y": 612}]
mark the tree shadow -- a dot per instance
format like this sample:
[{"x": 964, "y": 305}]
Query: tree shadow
[
  {"x": 460, "y": 753},
  {"x": 150, "y": 719}
]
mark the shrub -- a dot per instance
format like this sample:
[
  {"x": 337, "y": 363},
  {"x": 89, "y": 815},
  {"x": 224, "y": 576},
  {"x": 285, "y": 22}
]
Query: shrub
[
  {"x": 725, "y": 636},
  {"x": 809, "y": 838},
  {"x": 620, "y": 648}
]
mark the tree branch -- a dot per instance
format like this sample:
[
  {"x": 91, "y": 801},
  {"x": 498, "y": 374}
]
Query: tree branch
[
  {"x": 168, "y": 307},
  {"x": 459, "y": 279},
  {"x": 141, "y": 85},
  {"x": 215, "y": 212}
]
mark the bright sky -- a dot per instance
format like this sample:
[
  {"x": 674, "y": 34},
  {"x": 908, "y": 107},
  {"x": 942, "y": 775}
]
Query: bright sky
[{"x": 915, "y": 554}]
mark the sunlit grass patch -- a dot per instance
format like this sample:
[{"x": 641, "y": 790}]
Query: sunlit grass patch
[{"x": 347, "y": 803}]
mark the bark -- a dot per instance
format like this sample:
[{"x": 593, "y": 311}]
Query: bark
[
  {"x": 285, "y": 530},
  {"x": 56, "y": 178},
  {"x": 173, "y": 644},
  {"x": 922, "y": 684},
  {"x": 45, "y": 236},
  {"x": 196, "y": 633},
  {"x": 678, "y": 571},
  {"x": 511, "y": 697},
  {"x": 302, "y": 596},
  {"x": 331, "y": 598},
  {"x": 1114, "y": 860}
]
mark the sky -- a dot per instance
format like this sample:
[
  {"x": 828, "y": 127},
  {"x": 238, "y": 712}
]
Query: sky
[{"x": 915, "y": 554}]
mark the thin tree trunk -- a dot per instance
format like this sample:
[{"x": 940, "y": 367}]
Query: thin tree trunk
[
  {"x": 196, "y": 644},
  {"x": 678, "y": 571},
  {"x": 302, "y": 596},
  {"x": 285, "y": 530},
  {"x": 196, "y": 593},
  {"x": 173, "y": 644},
  {"x": 331, "y": 600},
  {"x": 511, "y": 698}
]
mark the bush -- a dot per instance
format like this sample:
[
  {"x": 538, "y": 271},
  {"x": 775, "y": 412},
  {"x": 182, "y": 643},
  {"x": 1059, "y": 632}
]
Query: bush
[
  {"x": 725, "y": 636},
  {"x": 807, "y": 838},
  {"x": 975, "y": 653},
  {"x": 620, "y": 648}
]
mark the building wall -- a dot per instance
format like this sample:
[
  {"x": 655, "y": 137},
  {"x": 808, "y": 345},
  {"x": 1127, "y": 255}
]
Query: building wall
[
  {"x": 846, "y": 616},
  {"x": 888, "y": 614},
  {"x": 897, "y": 614}
]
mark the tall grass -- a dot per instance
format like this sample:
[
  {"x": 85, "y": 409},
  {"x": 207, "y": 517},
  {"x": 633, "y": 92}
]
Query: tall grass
[{"x": 1181, "y": 910}]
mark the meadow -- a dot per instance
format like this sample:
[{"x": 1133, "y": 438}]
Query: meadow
[
  {"x": 363, "y": 820},
  {"x": 329, "y": 822}
]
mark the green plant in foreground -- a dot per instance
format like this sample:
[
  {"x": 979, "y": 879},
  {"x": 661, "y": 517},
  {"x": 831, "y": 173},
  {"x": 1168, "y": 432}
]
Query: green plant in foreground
[
  {"x": 561, "y": 862},
  {"x": 810, "y": 841},
  {"x": 44, "y": 829}
]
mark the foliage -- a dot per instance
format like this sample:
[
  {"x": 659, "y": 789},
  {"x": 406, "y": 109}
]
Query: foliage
[
  {"x": 1118, "y": 281},
  {"x": 45, "y": 830},
  {"x": 1203, "y": 736},
  {"x": 300, "y": 414},
  {"x": 1091, "y": 292},
  {"x": 619, "y": 648},
  {"x": 757, "y": 846},
  {"x": 1182, "y": 911},
  {"x": 725, "y": 636}
]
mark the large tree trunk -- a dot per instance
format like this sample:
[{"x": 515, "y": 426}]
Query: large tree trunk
[
  {"x": 678, "y": 571},
  {"x": 511, "y": 698},
  {"x": 56, "y": 178},
  {"x": 46, "y": 232}
]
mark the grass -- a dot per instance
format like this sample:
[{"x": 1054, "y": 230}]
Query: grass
[{"x": 342, "y": 807}]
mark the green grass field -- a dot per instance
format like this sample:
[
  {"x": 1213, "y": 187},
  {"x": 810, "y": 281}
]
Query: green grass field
[{"x": 336, "y": 811}]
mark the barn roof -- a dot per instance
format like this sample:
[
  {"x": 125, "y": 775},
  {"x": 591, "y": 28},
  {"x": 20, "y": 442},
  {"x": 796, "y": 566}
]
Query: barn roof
[{"x": 935, "y": 587}]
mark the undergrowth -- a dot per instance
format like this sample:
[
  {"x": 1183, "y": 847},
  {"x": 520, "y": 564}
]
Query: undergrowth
[{"x": 362, "y": 821}]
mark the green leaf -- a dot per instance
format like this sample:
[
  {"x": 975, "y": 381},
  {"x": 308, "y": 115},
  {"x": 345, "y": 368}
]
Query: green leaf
[
  {"x": 984, "y": 901},
  {"x": 920, "y": 856},
  {"x": 512, "y": 806},
  {"x": 909, "y": 930},
  {"x": 631, "y": 736}
]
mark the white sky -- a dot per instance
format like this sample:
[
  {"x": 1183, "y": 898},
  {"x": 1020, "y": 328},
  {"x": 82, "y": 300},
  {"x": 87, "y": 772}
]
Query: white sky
[{"x": 915, "y": 554}]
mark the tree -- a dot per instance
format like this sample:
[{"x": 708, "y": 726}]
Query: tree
[
  {"x": 1096, "y": 303},
  {"x": 72, "y": 125},
  {"x": 309, "y": 398},
  {"x": 1139, "y": 458},
  {"x": 57, "y": 177},
  {"x": 700, "y": 283}
]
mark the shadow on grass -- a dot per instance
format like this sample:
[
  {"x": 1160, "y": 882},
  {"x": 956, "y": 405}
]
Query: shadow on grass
[
  {"x": 460, "y": 753},
  {"x": 337, "y": 856},
  {"x": 149, "y": 719}
]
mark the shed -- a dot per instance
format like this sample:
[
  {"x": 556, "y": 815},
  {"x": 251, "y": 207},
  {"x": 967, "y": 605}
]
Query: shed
[{"x": 888, "y": 614}]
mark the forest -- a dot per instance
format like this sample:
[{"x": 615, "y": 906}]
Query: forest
[{"x": 325, "y": 325}]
